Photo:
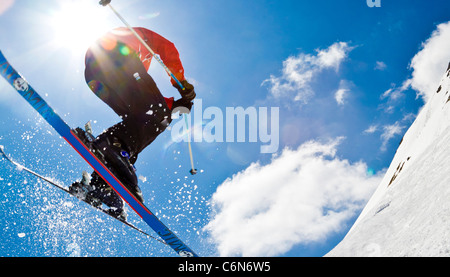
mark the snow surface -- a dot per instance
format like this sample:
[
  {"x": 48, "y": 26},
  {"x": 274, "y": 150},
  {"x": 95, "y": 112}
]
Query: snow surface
[{"x": 409, "y": 213}]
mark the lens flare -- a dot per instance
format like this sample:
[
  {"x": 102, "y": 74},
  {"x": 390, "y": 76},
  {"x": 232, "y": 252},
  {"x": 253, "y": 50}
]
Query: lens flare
[{"x": 124, "y": 50}]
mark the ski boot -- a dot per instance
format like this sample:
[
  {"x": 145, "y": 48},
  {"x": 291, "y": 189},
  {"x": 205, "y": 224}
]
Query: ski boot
[
  {"x": 82, "y": 190},
  {"x": 116, "y": 158},
  {"x": 96, "y": 192},
  {"x": 106, "y": 195}
]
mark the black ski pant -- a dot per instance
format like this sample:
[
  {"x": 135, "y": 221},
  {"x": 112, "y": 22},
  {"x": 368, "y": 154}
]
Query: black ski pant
[{"x": 118, "y": 77}]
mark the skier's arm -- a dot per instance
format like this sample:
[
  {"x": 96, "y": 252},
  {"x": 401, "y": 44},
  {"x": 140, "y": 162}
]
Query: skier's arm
[{"x": 168, "y": 53}]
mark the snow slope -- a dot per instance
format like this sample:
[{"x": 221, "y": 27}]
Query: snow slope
[{"x": 409, "y": 213}]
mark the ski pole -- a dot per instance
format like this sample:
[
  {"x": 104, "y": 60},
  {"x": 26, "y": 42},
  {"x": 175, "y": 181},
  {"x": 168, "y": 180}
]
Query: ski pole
[
  {"x": 193, "y": 170},
  {"x": 108, "y": 3}
]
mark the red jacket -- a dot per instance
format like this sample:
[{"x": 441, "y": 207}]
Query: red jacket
[{"x": 161, "y": 46}]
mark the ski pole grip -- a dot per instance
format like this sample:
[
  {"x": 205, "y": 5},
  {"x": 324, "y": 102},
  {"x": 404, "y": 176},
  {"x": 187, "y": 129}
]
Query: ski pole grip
[{"x": 104, "y": 3}]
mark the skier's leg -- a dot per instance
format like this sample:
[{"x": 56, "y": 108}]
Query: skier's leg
[
  {"x": 123, "y": 83},
  {"x": 107, "y": 195},
  {"x": 117, "y": 159},
  {"x": 109, "y": 75}
]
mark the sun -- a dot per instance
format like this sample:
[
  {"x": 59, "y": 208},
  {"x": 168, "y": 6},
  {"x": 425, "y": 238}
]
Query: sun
[{"x": 77, "y": 24}]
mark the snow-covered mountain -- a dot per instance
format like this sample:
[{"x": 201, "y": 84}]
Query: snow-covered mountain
[{"x": 409, "y": 213}]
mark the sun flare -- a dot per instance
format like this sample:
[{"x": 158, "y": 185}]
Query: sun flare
[{"x": 76, "y": 25}]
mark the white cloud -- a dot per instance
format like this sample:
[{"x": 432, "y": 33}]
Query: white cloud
[
  {"x": 302, "y": 196},
  {"x": 396, "y": 93},
  {"x": 430, "y": 63},
  {"x": 393, "y": 95},
  {"x": 387, "y": 93},
  {"x": 343, "y": 92},
  {"x": 428, "y": 66},
  {"x": 380, "y": 66},
  {"x": 299, "y": 71},
  {"x": 340, "y": 95},
  {"x": 389, "y": 132},
  {"x": 372, "y": 129}
]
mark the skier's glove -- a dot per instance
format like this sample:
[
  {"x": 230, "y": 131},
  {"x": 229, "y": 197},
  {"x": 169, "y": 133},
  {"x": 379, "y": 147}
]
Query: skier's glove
[
  {"x": 182, "y": 105},
  {"x": 188, "y": 93}
]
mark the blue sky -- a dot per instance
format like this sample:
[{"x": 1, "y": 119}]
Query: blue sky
[{"x": 348, "y": 81}]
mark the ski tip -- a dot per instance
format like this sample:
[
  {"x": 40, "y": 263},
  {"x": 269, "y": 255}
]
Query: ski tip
[{"x": 187, "y": 254}]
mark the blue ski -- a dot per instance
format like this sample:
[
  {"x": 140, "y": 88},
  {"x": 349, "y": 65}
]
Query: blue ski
[{"x": 35, "y": 100}]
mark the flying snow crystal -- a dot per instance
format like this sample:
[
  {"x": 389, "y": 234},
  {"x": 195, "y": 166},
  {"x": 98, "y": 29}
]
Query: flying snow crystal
[
  {"x": 21, "y": 235},
  {"x": 68, "y": 204},
  {"x": 142, "y": 178},
  {"x": 74, "y": 249}
]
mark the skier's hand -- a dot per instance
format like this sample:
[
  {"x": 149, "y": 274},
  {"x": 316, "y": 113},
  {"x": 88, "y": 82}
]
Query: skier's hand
[
  {"x": 188, "y": 93},
  {"x": 182, "y": 105}
]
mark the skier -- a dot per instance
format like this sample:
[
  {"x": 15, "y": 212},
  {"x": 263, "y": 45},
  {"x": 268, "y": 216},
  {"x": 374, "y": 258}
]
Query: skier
[{"x": 116, "y": 71}]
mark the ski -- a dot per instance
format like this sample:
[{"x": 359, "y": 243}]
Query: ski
[
  {"x": 55, "y": 184},
  {"x": 19, "y": 83}
]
